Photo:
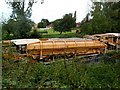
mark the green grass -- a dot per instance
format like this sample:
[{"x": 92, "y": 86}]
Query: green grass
[
  {"x": 54, "y": 34},
  {"x": 71, "y": 35},
  {"x": 51, "y": 31}
]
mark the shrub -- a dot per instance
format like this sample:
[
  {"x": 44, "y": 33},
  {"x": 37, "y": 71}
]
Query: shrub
[
  {"x": 35, "y": 34},
  {"x": 59, "y": 74}
]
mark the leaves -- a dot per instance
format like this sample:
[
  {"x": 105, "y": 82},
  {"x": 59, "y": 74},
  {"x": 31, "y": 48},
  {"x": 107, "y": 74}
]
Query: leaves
[
  {"x": 43, "y": 23},
  {"x": 65, "y": 24},
  {"x": 104, "y": 19},
  {"x": 62, "y": 74},
  {"x": 19, "y": 24}
]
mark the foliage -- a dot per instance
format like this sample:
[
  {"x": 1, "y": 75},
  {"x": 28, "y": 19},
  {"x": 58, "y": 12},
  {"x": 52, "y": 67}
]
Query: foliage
[
  {"x": 61, "y": 74},
  {"x": 105, "y": 19},
  {"x": 23, "y": 27},
  {"x": 67, "y": 35},
  {"x": 65, "y": 24},
  {"x": 58, "y": 25},
  {"x": 35, "y": 34},
  {"x": 7, "y": 29},
  {"x": 19, "y": 23},
  {"x": 114, "y": 57},
  {"x": 43, "y": 23}
]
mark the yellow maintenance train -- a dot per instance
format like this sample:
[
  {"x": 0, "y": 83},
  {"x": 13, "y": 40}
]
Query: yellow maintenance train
[{"x": 39, "y": 49}]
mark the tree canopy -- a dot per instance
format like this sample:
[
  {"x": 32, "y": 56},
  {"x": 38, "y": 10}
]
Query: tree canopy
[
  {"x": 105, "y": 18},
  {"x": 65, "y": 24},
  {"x": 43, "y": 23},
  {"x": 20, "y": 23}
]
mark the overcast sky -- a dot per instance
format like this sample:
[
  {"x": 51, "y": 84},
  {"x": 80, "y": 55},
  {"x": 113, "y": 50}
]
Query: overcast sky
[{"x": 52, "y": 9}]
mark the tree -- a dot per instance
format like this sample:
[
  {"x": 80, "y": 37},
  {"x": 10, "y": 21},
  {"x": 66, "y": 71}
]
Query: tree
[
  {"x": 113, "y": 10},
  {"x": 103, "y": 19},
  {"x": 40, "y": 25},
  {"x": 65, "y": 24},
  {"x": 58, "y": 25},
  {"x": 8, "y": 29},
  {"x": 43, "y": 23},
  {"x": 75, "y": 15},
  {"x": 69, "y": 22},
  {"x": 21, "y": 13}
]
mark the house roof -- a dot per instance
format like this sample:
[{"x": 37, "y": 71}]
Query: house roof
[{"x": 24, "y": 41}]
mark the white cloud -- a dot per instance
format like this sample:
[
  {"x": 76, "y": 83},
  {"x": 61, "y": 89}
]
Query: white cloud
[{"x": 52, "y": 9}]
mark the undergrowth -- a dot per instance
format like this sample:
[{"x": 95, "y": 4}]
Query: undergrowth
[{"x": 62, "y": 74}]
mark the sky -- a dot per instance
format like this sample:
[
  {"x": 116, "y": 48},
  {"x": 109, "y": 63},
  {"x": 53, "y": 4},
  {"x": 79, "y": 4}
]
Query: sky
[{"x": 52, "y": 9}]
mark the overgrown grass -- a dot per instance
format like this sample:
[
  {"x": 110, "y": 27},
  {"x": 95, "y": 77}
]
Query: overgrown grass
[{"x": 62, "y": 74}]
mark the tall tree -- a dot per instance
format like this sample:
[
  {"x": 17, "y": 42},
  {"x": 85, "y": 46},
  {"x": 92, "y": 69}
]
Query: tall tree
[
  {"x": 105, "y": 19},
  {"x": 58, "y": 25},
  {"x": 21, "y": 13},
  {"x": 75, "y": 15},
  {"x": 112, "y": 10},
  {"x": 65, "y": 24}
]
